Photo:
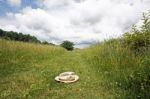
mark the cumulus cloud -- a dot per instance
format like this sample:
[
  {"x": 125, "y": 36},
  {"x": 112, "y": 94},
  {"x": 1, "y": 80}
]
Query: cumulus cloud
[
  {"x": 14, "y": 2},
  {"x": 80, "y": 21}
]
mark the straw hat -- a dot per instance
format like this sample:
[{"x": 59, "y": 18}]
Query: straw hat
[{"x": 67, "y": 77}]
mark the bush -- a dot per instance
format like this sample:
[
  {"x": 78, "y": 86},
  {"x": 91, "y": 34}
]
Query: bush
[
  {"x": 45, "y": 42},
  {"x": 139, "y": 39},
  {"x": 68, "y": 45}
]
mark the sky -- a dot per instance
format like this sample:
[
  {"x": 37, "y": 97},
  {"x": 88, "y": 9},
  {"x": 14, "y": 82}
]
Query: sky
[{"x": 83, "y": 22}]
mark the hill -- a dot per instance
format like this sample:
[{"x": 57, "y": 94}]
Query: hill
[
  {"x": 105, "y": 70},
  {"x": 28, "y": 71}
]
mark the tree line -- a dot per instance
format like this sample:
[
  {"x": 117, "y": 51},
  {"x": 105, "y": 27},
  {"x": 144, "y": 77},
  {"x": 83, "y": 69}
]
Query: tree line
[{"x": 11, "y": 35}]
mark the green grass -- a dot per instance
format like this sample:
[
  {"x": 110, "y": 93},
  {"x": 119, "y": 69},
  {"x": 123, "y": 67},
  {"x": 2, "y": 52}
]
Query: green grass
[
  {"x": 27, "y": 71},
  {"x": 121, "y": 69}
]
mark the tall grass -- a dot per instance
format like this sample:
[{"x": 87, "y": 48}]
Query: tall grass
[
  {"x": 121, "y": 69},
  {"x": 21, "y": 65},
  {"x": 17, "y": 54},
  {"x": 27, "y": 71}
]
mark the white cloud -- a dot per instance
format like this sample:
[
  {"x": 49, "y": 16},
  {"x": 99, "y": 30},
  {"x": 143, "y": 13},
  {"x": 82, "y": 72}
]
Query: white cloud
[
  {"x": 14, "y": 2},
  {"x": 80, "y": 21}
]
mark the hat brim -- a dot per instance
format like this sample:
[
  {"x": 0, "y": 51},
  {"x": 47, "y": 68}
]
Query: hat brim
[{"x": 75, "y": 76}]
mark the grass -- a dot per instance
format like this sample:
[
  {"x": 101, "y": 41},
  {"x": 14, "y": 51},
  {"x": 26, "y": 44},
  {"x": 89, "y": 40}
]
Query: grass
[
  {"x": 27, "y": 71},
  {"x": 121, "y": 69}
]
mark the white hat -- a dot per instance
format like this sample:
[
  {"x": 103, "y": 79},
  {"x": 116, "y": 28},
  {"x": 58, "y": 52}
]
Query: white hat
[{"x": 67, "y": 77}]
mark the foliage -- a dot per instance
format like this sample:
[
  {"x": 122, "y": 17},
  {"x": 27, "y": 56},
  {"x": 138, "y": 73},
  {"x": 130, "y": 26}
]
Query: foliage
[
  {"x": 68, "y": 45},
  {"x": 139, "y": 38},
  {"x": 10, "y": 35},
  {"x": 47, "y": 43}
]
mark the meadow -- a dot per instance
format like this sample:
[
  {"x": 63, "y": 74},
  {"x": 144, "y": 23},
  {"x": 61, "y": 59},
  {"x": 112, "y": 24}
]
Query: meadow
[
  {"x": 27, "y": 71},
  {"x": 107, "y": 70}
]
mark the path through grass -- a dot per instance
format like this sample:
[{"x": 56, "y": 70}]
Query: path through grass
[{"x": 27, "y": 74}]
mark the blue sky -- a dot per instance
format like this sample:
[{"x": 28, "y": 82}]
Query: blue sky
[
  {"x": 80, "y": 21},
  {"x": 5, "y": 7}
]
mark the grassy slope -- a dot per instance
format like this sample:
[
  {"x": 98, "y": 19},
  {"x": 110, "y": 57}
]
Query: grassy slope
[
  {"x": 121, "y": 69},
  {"x": 28, "y": 71}
]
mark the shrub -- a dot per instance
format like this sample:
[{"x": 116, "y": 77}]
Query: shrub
[
  {"x": 45, "y": 42},
  {"x": 68, "y": 45},
  {"x": 139, "y": 39}
]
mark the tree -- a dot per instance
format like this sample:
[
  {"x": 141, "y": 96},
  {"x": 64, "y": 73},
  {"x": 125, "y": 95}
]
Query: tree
[
  {"x": 68, "y": 45},
  {"x": 1, "y": 33}
]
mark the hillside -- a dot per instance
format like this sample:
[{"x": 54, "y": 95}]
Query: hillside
[{"x": 28, "y": 71}]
